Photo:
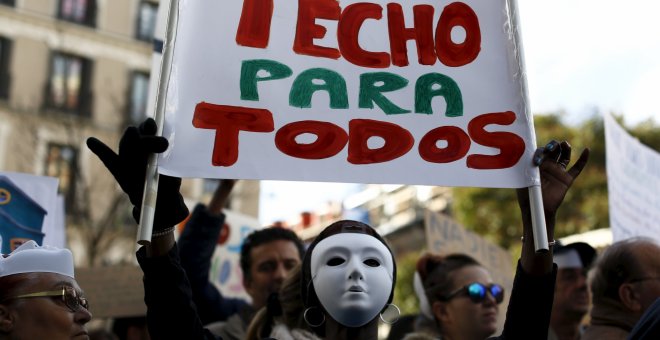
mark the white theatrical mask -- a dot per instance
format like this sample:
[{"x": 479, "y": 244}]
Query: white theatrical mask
[{"x": 352, "y": 276}]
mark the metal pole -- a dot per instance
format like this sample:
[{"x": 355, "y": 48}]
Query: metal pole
[
  {"x": 151, "y": 180},
  {"x": 535, "y": 196}
]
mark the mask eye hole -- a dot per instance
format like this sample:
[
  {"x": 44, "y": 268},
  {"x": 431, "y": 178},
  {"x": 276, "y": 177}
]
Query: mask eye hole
[
  {"x": 372, "y": 263},
  {"x": 335, "y": 261}
]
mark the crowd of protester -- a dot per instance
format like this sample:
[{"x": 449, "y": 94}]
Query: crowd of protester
[{"x": 341, "y": 286}]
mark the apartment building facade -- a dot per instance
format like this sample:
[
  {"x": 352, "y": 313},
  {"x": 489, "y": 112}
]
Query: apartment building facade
[{"x": 70, "y": 69}]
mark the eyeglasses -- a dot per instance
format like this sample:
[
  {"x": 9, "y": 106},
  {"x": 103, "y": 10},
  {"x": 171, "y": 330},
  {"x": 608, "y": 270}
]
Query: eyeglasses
[
  {"x": 69, "y": 296},
  {"x": 477, "y": 292}
]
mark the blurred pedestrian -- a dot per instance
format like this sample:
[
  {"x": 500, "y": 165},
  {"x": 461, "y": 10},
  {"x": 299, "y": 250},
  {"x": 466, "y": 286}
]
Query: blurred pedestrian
[
  {"x": 572, "y": 298},
  {"x": 625, "y": 282}
]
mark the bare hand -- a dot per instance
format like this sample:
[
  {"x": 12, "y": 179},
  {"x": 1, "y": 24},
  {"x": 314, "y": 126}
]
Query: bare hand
[{"x": 556, "y": 179}]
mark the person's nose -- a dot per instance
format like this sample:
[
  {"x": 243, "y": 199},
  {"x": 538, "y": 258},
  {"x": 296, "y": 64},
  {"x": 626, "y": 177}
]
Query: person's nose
[
  {"x": 280, "y": 273},
  {"x": 489, "y": 300},
  {"x": 82, "y": 316},
  {"x": 582, "y": 280}
]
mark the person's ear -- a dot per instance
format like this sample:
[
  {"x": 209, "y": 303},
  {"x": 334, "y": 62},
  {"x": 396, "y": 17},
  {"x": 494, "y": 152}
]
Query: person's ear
[
  {"x": 440, "y": 312},
  {"x": 629, "y": 297},
  {"x": 6, "y": 319}
]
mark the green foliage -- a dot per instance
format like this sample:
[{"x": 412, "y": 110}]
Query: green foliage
[
  {"x": 494, "y": 213},
  {"x": 647, "y": 133},
  {"x": 404, "y": 294}
]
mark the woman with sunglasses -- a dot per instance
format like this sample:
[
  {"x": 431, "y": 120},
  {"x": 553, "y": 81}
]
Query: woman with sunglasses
[
  {"x": 39, "y": 297},
  {"x": 464, "y": 300}
]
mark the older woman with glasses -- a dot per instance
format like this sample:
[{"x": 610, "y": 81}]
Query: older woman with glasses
[
  {"x": 39, "y": 296},
  {"x": 462, "y": 295}
]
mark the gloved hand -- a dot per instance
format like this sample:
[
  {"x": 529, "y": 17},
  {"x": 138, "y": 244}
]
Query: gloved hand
[{"x": 129, "y": 167}]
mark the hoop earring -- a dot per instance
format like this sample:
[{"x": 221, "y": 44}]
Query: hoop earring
[
  {"x": 390, "y": 314},
  {"x": 309, "y": 314}
]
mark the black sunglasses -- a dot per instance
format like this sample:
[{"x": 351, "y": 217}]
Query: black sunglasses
[{"x": 477, "y": 292}]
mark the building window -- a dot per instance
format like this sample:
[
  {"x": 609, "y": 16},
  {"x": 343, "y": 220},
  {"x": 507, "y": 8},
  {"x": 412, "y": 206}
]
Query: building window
[
  {"x": 69, "y": 84},
  {"x": 79, "y": 11},
  {"x": 7, "y": 2},
  {"x": 147, "y": 16},
  {"x": 137, "y": 109},
  {"x": 61, "y": 163},
  {"x": 5, "y": 53}
]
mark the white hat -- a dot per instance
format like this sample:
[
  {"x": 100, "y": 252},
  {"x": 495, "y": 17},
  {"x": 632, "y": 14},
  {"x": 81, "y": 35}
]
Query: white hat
[
  {"x": 568, "y": 259},
  {"x": 32, "y": 258}
]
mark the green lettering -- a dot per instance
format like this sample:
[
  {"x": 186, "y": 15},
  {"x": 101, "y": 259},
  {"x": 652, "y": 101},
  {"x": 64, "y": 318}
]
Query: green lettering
[
  {"x": 449, "y": 90},
  {"x": 249, "y": 75},
  {"x": 303, "y": 88},
  {"x": 371, "y": 93}
]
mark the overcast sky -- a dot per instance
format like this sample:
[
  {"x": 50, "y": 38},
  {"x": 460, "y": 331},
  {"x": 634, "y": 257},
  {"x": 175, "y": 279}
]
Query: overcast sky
[{"x": 580, "y": 55}]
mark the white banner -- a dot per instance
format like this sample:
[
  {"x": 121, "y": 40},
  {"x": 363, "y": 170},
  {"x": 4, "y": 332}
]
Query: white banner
[
  {"x": 417, "y": 92},
  {"x": 226, "y": 271},
  {"x": 633, "y": 183}
]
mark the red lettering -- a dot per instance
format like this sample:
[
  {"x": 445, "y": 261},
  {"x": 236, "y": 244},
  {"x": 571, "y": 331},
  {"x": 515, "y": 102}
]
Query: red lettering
[
  {"x": 330, "y": 139},
  {"x": 352, "y": 18},
  {"x": 348, "y": 33},
  {"x": 398, "y": 141},
  {"x": 458, "y": 145},
  {"x": 422, "y": 34},
  {"x": 450, "y": 53},
  {"x": 307, "y": 30},
  {"x": 227, "y": 121},
  {"x": 511, "y": 145},
  {"x": 254, "y": 26}
]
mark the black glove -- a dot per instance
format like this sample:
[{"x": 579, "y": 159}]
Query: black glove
[{"x": 129, "y": 168}]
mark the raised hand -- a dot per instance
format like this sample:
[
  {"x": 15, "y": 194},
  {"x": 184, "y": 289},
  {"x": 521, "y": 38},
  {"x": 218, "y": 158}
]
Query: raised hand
[
  {"x": 553, "y": 159},
  {"x": 556, "y": 179},
  {"x": 129, "y": 165}
]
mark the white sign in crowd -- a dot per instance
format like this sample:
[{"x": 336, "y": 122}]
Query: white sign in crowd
[
  {"x": 410, "y": 92},
  {"x": 41, "y": 190},
  {"x": 633, "y": 183},
  {"x": 225, "y": 270}
]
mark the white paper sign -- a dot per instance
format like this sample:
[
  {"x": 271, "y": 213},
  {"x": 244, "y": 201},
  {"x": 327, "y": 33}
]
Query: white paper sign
[
  {"x": 43, "y": 190},
  {"x": 633, "y": 183},
  {"x": 226, "y": 271},
  {"x": 412, "y": 92}
]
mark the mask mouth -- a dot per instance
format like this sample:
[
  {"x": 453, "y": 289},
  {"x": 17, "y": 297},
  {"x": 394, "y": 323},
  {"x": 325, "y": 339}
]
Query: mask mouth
[{"x": 356, "y": 289}]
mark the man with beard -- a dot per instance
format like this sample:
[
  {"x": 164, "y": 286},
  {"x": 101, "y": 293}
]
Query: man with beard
[{"x": 571, "y": 301}]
